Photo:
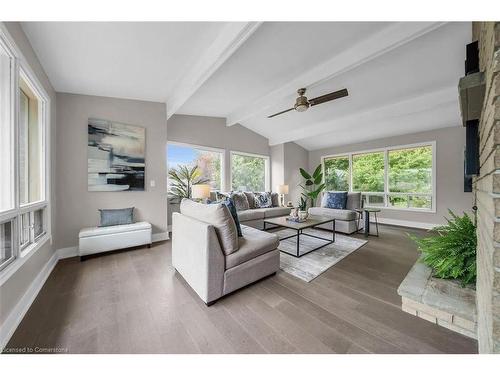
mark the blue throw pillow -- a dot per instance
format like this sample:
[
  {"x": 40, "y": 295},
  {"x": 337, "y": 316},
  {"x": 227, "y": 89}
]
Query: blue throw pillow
[
  {"x": 232, "y": 209},
  {"x": 337, "y": 200},
  {"x": 116, "y": 216}
]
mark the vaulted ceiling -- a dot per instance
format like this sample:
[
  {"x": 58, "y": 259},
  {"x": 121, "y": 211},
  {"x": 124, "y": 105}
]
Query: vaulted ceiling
[{"x": 401, "y": 77}]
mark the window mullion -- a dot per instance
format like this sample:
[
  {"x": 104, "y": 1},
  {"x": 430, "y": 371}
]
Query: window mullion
[
  {"x": 350, "y": 172},
  {"x": 386, "y": 178}
]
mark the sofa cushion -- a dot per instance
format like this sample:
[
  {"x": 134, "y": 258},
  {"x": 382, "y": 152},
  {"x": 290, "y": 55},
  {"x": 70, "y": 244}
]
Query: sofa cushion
[
  {"x": 276, "y": 211},
  {"x": 353, "y": 201},
  {"x": 250, "y": 198},
  {"x": 112, "y": 229},
  {"x": 240, "y": 201},
  {"x": 332, "y": 212},
  {"x": 253, "y": 243},
  {"x": 217, "y": 215},
  {"x": 255, "y": 214}
]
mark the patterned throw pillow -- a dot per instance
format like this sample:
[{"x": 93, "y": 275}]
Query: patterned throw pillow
[
  {"x": 336, "y": 200},
  {"x": 219, "y": 196},
  {"x": 263, "y": 200},
  {"x": 240, "y": 201}
]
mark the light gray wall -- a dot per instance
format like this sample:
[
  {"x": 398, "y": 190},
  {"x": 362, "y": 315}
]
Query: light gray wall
[
  {"x": 277, "y": 163},
  {"x": 78, "y": 208},
  {"x": 295, "y": 157},
  {"x": 213, "y": 132},
  {"x": 16, "y": 286},
  {"x": 450, "y": 144}
]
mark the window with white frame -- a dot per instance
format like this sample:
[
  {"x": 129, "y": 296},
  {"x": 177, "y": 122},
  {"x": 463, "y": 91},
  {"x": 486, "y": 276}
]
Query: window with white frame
[
  {"x": 210, "y": 162},
  {"x": 249, "y": 172},
  {"x": 23, "y": 158},
  {"x": 399, "y": 177}
]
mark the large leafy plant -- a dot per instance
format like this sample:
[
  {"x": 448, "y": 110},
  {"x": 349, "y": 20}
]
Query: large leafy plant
[
  {"x": 451, "y": 253},
  {"x": 182, "y": 179},
  {"x": 313, "y": 184}
]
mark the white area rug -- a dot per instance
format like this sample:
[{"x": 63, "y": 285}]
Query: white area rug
[{"x": 310, "y": 266}]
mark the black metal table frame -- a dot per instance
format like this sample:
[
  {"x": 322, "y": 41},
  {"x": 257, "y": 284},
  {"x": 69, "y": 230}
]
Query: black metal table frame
[
  {"x": 300, "y": 232},
  {"x": 366, "y": 226}
]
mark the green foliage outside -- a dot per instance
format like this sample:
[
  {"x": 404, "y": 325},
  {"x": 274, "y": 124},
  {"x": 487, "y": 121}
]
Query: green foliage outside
[
  {"x": 312, "y": 186},
  {"x": 410, "y": 171},
  {"x": 248, "y": 173},
  {"x": 451, "y": 253},
  {"x": 337, "y": 173},
  {"x": 368, "y": 172},
  {"x": 182, "y": 179}
]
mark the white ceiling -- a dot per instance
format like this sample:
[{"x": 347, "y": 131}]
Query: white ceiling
[
  {"x": 401, "y": 77},
  {"x": 135, "y": 60}
]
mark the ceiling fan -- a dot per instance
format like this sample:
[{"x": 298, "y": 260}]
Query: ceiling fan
[{"x": 302, "y": 103}]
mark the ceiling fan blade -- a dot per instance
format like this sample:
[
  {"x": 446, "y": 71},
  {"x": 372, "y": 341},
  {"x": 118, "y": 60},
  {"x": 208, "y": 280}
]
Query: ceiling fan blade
[
  {"x": 280, "y": 113},
  {"x": 327, "y": 97}
]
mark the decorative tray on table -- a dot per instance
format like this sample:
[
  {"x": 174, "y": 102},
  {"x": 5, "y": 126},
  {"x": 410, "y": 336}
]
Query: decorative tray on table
[{"x": 296, "y": 219}]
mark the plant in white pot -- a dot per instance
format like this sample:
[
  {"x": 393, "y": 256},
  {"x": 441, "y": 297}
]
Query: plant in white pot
[
  {"x": 313, "y": 184},
  {"x": 302, "y": 213}
]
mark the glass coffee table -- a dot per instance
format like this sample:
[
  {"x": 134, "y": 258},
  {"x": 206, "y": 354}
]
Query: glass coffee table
[{"x": 311, "y": 222}]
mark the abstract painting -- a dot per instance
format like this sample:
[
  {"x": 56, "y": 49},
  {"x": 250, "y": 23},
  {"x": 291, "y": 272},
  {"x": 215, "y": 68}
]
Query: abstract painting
[{"x": 116, "y": 156}]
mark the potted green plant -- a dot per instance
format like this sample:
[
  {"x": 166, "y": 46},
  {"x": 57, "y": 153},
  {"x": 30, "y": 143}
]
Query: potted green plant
[
  {"x": 302, "y": 209},
  {"x": 313, "y": 184},
  {"x": 451, "y": 251}
]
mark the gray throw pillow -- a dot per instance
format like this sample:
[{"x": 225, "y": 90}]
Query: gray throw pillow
[
  {"x": 263, "y": 200},
  {"x": 250, "y": 199},
  {"x": 116, "y": 216},
  {"x": 219, "y": 216},
  {"x": 275, "y": 199},
  {"x": 240, "y": 201}
]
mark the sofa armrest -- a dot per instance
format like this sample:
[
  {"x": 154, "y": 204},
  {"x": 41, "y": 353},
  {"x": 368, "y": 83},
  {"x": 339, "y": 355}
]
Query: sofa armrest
[{"x": 197, "y": 256}]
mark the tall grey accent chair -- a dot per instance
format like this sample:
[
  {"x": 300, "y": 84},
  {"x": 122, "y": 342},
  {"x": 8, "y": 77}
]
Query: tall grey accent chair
[{"x": 209, "y": 255}]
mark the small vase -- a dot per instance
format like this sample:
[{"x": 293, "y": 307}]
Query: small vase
[{"x": 303, "y": 215}]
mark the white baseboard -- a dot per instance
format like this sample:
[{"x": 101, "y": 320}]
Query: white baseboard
[
  {"x": 163, "y": 236},
  {"x": 406, "y": 223},
  {"x": 67, "y": 252},
  {"x": 17, "y": 314}
]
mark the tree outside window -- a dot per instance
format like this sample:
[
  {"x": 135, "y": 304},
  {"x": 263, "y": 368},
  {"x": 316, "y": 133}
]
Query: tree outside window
[{"x": 248, "y": 173}]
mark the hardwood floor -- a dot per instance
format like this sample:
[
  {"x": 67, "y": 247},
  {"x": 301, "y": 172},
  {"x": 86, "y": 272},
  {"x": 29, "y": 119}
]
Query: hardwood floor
[{"x": 134, "y": 302}]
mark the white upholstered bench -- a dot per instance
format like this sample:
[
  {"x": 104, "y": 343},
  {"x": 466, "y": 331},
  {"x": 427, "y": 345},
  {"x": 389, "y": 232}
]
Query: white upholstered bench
[{"x": 101, "y": 239}]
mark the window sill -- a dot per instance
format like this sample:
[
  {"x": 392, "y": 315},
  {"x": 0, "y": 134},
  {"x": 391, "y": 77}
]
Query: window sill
[
  {"x": 422, "y": 210},
  {"x": 12, "y": 268}
]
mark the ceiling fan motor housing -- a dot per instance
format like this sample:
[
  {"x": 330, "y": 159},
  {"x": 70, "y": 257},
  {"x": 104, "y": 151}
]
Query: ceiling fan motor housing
[{"x": 301, "y": 104}]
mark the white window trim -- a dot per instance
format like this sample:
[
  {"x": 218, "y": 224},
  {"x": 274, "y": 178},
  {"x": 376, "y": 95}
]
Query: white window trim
[
  {"x": 267, "y": 173},
  {"x": 386, "y": 192},
  {"x": 205, "y": 148},
  {"x": 21, "y": 68}
]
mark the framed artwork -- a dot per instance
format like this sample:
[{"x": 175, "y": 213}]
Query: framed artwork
[{"x": 116, "y": 156}]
